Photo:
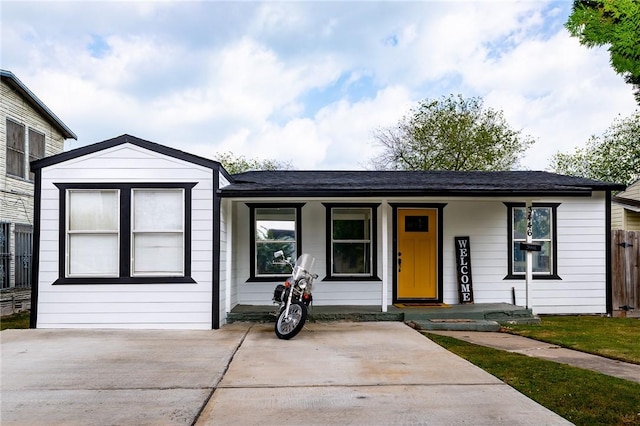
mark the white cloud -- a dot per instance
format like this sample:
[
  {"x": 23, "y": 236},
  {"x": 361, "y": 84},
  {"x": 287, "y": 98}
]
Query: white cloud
[
  {"x": 349, "y": 127},
  {"x": 555, "y": 90},
  {"x": 305, "y": 81}
]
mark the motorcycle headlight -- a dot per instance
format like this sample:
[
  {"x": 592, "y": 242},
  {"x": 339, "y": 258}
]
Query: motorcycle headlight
[{"x": 302, "y": 284}]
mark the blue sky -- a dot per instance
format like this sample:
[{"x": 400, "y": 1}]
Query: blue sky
[{"x": 306, "y": 82}]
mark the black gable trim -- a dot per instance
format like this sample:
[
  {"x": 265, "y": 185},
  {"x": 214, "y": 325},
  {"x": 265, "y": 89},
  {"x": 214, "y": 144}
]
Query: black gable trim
[{"x": 123, "y": 139}]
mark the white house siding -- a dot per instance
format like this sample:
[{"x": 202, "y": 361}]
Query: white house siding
[
  {"x": 166, "y": 306},
  {"x": 582, "y": 236},
  {"x": 580, "y": 241},
  {"x": 485, "y": 223},
  {"x": 313, "y": 241}
]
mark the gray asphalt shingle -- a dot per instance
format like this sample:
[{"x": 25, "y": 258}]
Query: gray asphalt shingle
[{"x": 305, "y": 182}]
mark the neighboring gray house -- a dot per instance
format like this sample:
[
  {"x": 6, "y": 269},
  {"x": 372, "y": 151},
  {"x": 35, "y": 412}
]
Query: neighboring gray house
[
  {"x": 132, "y": 234},
  {"x": 28, "y": 131}
]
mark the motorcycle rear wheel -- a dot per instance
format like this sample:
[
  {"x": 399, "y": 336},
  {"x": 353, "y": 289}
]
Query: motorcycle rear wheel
[{"x": 288, "y": 327}]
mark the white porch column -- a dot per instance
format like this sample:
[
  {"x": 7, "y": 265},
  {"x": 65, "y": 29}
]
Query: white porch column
[
  {"x": 385, "y": 255},
  {"x": 229, "y": 260}
]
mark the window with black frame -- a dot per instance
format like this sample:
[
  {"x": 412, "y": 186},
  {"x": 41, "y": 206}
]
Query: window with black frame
[
  {"x": 543, "y": 220},
  {"x": 273, "y": 228},
  {"x": 351, "y": 241},
  {"x": 125, "y": 233}
]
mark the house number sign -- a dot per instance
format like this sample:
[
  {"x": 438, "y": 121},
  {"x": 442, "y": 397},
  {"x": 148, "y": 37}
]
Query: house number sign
[{"x": 463, "y": 269}]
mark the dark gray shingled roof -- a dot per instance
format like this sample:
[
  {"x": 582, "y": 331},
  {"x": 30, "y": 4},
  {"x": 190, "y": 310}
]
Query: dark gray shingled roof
[{"x": 401, "y": 183}]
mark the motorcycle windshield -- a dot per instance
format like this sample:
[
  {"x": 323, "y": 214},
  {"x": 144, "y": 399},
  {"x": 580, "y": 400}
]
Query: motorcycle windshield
[{"x": 304, "y": 265}]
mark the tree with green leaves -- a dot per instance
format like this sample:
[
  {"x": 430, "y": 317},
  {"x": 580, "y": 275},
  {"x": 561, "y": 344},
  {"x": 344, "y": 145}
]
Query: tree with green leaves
[
  {"x": 450, "y": 133},
  {"x": 615, "y": 23},
  {"x": 239, "y": 163},
  {"x": 612, "y": 157}
]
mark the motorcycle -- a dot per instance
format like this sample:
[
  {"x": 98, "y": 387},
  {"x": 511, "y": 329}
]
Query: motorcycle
[{"x": 294, "y": 296}]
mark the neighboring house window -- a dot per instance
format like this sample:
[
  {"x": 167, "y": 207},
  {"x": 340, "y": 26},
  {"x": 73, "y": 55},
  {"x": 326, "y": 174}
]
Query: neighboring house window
[
  {"x": 15, "y": 149},
  {"x": 351, "y": 241},
  {"x": 273, "y": 228},
  {"x": 544, "y": 231},
  {"x": 36, "y": 147},
  {"x": 125, "y": 233}
]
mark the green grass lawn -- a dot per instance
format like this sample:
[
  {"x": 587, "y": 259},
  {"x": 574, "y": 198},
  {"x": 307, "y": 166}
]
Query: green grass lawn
[
  {"x": 617, "y": 338},
  {"x": 581, "y": 396},
  {"x": 20, "y": 320}
]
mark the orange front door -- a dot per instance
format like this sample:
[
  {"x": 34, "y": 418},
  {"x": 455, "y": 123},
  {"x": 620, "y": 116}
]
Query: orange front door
[{"x": 417, "y": 256}]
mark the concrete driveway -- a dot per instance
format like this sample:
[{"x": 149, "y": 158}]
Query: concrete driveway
[{"x": 331, "y": 373}]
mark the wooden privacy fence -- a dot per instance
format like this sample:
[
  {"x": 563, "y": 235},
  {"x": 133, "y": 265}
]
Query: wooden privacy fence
[{"x": 625, "y": 272}]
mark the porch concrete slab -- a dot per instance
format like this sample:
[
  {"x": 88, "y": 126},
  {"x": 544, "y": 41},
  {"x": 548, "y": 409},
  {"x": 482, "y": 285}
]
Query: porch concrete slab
[
  {"x": 99, "y": 377},
  {"x": 361, "y": 373},
  {"x": 502, "y": 313},
  {"x": 551, "y": 352}
]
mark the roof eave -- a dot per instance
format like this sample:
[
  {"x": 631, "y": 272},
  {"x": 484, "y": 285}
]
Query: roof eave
[
  {"x": 37, "y": 104},
  {"x": 258, "y": 193},
  {"x": 627, "y": 203}
]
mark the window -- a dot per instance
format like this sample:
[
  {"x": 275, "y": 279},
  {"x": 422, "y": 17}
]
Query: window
[
  {"x": 543, "y": 233},
  {"x": 36, "y": 147},
  {"x": 351, "y": 239},
  {"x": 158, "y": 232},
  {"x": 273, "y": 228},
  {"x": 125, "y": 233},
  {"x": 15, "y": 149},
  {"x": 93, "y": 233}
]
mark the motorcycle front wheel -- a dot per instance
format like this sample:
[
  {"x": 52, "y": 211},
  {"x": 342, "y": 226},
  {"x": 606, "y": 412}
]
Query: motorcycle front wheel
[{"x": 288, "y": 326}]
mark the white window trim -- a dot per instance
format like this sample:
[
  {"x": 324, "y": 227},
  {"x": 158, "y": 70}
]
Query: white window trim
[
  {"x": 348, "y": 211},
  {"x": 553, "y": 243},
  {"x": 69, "y": 232},
  {"x": 152, "y": 231}
]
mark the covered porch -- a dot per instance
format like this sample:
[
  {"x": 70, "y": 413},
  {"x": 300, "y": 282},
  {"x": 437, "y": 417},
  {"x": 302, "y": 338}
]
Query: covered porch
[{"x": 476, "y": 317}]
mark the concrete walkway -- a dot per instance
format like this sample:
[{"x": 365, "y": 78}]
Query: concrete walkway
[
  {"x": 535, "y": 348},
  {"x": 375, "y": 373}
]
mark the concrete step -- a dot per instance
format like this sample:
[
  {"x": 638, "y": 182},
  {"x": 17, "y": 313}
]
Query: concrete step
[
  {"x": 502, "y": 313},
  {"x": 454, "y": 324}
]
